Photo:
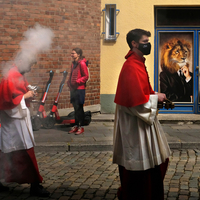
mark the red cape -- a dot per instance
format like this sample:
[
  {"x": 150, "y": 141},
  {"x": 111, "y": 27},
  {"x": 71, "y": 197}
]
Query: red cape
[
  {"x": 133, "y": 86},
  {"x": 12, "y": 89}
]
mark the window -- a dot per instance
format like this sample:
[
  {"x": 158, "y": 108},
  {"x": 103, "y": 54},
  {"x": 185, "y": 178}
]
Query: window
[
  {"x": 177, "y": 16},
  {"x": 110, "y": 22}
]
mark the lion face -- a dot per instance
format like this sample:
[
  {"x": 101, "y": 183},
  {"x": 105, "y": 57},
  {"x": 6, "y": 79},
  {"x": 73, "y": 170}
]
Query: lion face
[{"x": 175, "y": 54}]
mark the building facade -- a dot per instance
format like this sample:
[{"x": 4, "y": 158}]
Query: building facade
[
  {"x": 75, "y": 24},
  {"x": 100, "y": 28},
  {"x": 174, "y": 59}
]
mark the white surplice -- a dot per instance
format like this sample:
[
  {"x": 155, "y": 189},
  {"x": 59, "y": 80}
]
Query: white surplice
[
  {"x": 139, "y": 141},
  {"x": 16, "y": 129}
]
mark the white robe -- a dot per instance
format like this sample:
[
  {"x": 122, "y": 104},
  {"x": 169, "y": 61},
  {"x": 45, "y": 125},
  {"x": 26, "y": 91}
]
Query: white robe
[
  {"x": 16, "y": 129},
  {"x": 139, "y": 141}
]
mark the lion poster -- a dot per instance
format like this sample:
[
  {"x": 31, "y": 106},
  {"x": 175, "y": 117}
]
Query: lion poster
[{"x": 175, "y": 66}]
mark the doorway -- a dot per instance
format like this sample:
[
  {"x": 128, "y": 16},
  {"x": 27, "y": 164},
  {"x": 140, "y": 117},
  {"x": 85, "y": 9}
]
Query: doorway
[{"x": 177, "y": 57}]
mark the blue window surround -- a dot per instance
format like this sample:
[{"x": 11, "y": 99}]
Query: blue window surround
[
  {"x": 110, "y": 37},
  {"x": 188, "y": 108}
]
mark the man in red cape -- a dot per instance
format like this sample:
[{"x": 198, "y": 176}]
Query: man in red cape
[
  {"x": 140, "y": 147},
  {"x": 17, "y": 158}
]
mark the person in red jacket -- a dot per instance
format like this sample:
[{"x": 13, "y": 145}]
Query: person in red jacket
[{"x": 76, "y": 83}]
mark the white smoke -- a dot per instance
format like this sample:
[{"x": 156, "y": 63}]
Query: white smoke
[{"x": 36, "y": 40}]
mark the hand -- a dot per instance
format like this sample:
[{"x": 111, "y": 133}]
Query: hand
[
  {"x": 29, "y": 94},
  {"x": 161, "y": 97},
  {"x": 186, "y": 72}
]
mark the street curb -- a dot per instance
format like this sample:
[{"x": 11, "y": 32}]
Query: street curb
[
  {"x": 163, "y": 118},
  {"x": 162, "y": 121},
  {"x": 190, "y": 145},
  {"x": 51, "y": 147},
  {"x": 66, "y": 147},
  {"x": 179, "y": 121},
  {"x": 63, "y": 147}
]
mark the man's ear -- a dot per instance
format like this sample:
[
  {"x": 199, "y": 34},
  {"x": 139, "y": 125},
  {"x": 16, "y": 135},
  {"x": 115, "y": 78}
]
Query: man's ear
[{"x": 134, "y": 44}]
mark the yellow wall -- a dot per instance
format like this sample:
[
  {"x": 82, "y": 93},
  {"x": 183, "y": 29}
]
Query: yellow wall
[{"x": 133, "y": 14}]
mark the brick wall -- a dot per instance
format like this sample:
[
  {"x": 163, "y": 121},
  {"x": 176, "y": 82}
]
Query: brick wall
[{"x": 76, "y": 23}]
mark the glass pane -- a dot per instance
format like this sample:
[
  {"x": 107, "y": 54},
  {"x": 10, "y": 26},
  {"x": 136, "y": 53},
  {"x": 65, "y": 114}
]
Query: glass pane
[
  {"x": 112, "y": 21},
  {"x": 110, "y": 17},
  {"x": 178, "y": 16},
  {"x": 175, "y": 59}
]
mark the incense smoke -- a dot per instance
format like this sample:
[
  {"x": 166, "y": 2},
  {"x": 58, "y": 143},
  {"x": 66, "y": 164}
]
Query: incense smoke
[{"x": 36, "y": 40}]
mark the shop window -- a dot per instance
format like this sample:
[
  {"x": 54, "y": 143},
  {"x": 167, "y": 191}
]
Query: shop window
[{"x": 110, "y": 22}]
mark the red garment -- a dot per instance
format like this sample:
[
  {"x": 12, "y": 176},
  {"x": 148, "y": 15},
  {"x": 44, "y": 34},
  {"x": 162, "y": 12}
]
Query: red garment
[
  {"x": 12, "y": 89},
  {"x": 17, "y": 166},
  {"x": 133, "y": 86},
  {"x": 142, "y": 185},
  {"x": 78, "y": 76},
  {"x": 20, "y": 167}
]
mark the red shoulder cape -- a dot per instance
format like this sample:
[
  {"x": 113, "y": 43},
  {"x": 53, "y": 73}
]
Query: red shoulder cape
[
  {"x": 12, "y": 88},
  {"x": 133, "y": 87}
]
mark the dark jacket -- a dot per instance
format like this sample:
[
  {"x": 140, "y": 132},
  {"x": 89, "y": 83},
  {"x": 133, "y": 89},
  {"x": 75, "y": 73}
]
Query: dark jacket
[{"x": 175, "y": 87}]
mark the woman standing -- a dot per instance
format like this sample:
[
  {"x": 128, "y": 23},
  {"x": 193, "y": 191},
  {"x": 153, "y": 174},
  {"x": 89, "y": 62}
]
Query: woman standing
[{"x": 77, "y": 83}]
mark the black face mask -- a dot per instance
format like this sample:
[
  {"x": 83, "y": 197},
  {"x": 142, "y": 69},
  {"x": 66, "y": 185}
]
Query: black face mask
[{"x": 145, "y": 48}]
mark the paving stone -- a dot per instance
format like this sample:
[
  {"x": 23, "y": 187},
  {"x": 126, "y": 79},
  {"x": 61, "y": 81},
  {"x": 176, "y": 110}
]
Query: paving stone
[
  {"x": 68, "y": 193},
  {"x": 76, "y": 197},
  {"x": 64, "y": 198},
  {"x": 183, "y": 197}
]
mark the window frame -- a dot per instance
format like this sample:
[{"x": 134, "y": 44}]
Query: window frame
[{"x": 110, "y": 22}]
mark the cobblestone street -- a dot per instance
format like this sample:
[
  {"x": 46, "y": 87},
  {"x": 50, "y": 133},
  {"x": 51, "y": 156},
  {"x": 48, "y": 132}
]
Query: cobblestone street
[{"x": 91, "y": 175}]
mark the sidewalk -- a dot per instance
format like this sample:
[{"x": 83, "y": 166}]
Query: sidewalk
[{"x": 182, "y": 132}]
